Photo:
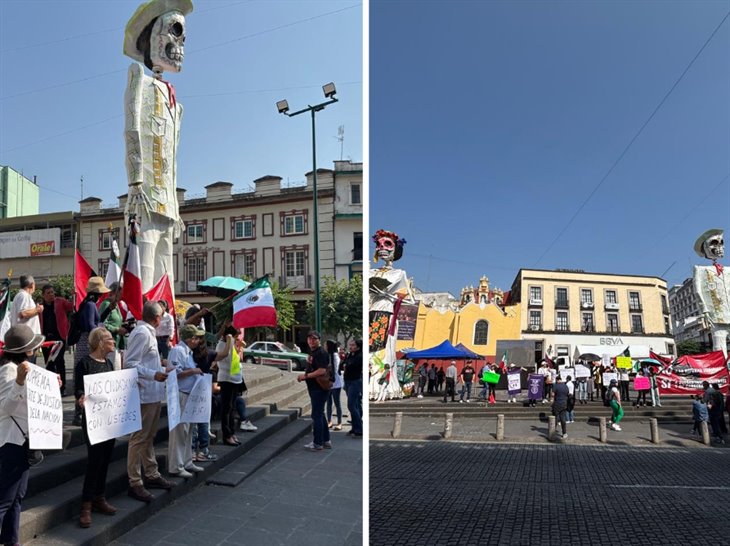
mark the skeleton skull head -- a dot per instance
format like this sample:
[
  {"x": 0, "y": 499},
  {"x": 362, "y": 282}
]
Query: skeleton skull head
[
  {"x": 714, "y": 247},
  {"x": 167, "y": 41},
  {"x": 385, "y": 249}
]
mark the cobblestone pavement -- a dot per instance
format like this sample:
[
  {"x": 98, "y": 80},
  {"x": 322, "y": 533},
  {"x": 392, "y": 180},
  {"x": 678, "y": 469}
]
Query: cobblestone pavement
[{"x": 424, "y": 492}]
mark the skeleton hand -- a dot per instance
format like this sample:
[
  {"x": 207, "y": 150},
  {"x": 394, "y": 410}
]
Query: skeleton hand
[{"x": 137, "y": 198}]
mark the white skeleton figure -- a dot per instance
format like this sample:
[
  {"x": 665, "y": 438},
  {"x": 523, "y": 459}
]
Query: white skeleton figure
[
  {"x": 385, "y": 250},
  {"x": 155, "y": 35},
  {"x": 712, "y": 286}
]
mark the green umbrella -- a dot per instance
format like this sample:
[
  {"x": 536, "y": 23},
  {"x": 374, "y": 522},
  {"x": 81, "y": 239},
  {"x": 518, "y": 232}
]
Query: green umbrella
[{"x": 222, "y": 287}]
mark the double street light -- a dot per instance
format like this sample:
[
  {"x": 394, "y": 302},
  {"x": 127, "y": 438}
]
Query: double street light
[{"x": 283, "y": 107}]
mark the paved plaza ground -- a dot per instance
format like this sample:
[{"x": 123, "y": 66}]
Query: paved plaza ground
[{"x": 438, "y": 492}]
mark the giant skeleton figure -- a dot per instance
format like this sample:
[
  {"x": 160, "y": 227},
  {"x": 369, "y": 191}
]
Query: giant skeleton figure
[
  {"x": 154, "y": 36},
  {"x": 712, "y": 286},
  {"x": 389, "y": 287}
]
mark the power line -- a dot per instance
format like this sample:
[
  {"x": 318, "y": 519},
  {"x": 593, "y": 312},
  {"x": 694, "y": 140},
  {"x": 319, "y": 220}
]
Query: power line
[
  {"x": 628, "y": 146},
  {"x": 255, "y": 34}
]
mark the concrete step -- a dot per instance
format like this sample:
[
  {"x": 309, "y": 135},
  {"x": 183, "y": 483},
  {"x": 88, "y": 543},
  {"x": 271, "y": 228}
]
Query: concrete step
[{"x": 50, "y": 518}]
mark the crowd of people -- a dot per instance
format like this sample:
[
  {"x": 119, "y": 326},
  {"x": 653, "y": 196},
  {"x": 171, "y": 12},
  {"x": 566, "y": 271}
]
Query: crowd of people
[{"x": 100, "y": 332}]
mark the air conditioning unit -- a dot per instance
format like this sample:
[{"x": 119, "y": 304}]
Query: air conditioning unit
[
  {"x": 535, "y": 301},
  {"x": 612, "y": 306},
  {"x": 587, "y": 305},
  {"x": 534, "y": 327}
]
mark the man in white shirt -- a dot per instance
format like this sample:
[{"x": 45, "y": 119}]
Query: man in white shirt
[
  {"x": 451, "y": 375},
  {"x": 144, "y": 356},
  {"x": 180, "y": 451},
  {"x": 25, "y": 310}
]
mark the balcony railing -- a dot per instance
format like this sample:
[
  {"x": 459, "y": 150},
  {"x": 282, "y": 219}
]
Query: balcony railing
[
  {"x": 635, "y": 307},
  {"x": 613, "y": 330},
  {"x": 588, "y": 328},
  {"x": 637, "y": 329},
  {"x": 301, "y": 282},
  {"x": 561, "y": 304}
]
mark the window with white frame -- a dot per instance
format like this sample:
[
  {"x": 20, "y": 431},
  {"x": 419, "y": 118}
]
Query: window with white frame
[
  {"x": 244, "y": 265},
  {"x": 294, "y": 224},
  {"x": 195, "y": 272},
  {"x": 106, "y": 238},
  {"x": 355, "y": 194},
  {"x": 587, "y": 322},
  {"x": 637, "y": 324},
  {"x": 294, "y": 263},
  {"x": 634, "y": 301},
  {"x": 536, "y": 293},
  {"x": 195, "y": 233},
  {"x": 481, "y": 332},
  {"x": 243, "y": 229},
  {"x": 535, "y": 320},
  {"x": 561, "y": 321},
  {"x": 586, "y": 296},
  {"x": 611, "y": 296}
]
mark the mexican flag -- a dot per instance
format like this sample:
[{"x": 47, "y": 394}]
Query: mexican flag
[
  {"x": 254, "y": 306},
  {"x": 114, "y": 273},
  {"x": 132, "y": 274},
  {"x": 503, "y": 362}
]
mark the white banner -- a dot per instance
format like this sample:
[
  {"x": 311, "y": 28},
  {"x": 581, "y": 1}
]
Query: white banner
[
  {"x": 514, "y": 383},
  {"x": 45, "y": 411},
  {"x": 112, "y": 405},
  {"x": 565, "y": 372},
  {"x": 608, "y": 376},
  {"x": 33, "y": 242},
  {"x": 197, "y": 408},
  {"x": 173, "y": 400},
  {"x": 582, "y": 371}
]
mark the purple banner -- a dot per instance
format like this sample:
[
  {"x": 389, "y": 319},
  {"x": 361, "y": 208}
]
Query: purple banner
[
  {"x": 534, "y": 386},
  {"x": 407, "y": 317}
]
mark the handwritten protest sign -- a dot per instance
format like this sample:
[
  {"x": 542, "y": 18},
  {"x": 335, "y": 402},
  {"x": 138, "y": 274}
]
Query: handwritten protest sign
[
  {"x": 514, "y": 383},
  {"x": 197, "y": 408},
  {"x": 582, "y": 371},
  {"x": 642, "y": 383},
  {"x": 608, "y": 376},
  {"x": 624, "y": 362},
  {"x": 45, "y": 411},
  {"x": 112, "y": 405},
  {"x": 173, "y": 401}
]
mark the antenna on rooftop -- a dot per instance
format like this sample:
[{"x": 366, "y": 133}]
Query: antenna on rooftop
[
  {"x": 82, "y": 187},
  {"x": 341, "y": 138}
]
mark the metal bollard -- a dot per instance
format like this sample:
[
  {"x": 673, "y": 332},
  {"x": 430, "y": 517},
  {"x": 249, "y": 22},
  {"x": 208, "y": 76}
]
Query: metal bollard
[
  {"x": 448, "y": 425},
  {"x": 602, "y": 437},
  {"x": 500, "y": 426},
  {"x": 551, "y": 428},
  {"x": 291, "y": 366},
  {"x": 705, "y": 433},
  {"x": 397, "y": 424},
  {"x": 654, "y": 430}
]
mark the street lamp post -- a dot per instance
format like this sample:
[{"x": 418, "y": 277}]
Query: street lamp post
[{"x": 283, "y": 107}]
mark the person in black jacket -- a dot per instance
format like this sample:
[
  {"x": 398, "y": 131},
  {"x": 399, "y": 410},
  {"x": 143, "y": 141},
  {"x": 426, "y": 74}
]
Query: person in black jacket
[{"x": 353, "y": 386}]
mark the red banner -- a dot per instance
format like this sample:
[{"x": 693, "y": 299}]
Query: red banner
[{"x": 686, "y": 374}]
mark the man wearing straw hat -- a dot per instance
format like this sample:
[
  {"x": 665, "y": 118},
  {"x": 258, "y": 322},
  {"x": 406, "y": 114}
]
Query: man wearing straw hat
[{"x": 154, "y": 36}]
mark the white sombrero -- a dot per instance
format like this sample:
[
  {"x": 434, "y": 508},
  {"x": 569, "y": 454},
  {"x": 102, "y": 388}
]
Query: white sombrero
[
  {"x": 144, "y": 15},
  {"x": 702, "y": 238}
]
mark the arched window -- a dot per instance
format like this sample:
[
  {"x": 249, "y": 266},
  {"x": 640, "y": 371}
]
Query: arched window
[{"x": 481, "y": 332}]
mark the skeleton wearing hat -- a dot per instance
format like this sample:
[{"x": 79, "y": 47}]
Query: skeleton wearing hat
[
  {"x": 155, "y": 36},
  {"x": 712, "y": 286},
  {"x": 389, "y": 288}
]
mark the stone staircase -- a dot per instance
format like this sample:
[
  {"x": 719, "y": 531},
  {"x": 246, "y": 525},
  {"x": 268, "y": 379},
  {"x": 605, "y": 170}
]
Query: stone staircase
[
  {"x": 275, "y": 402},
  {"x": 674, "y": 409}
]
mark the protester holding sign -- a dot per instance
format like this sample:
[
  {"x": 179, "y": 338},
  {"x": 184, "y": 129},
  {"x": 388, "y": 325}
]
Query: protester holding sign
[
  {"x": 180, "y": 451},
  {"x": 20, "y": 344},
  {"x": 144, "y": 356},
  {"x": 101, "y": 343}
]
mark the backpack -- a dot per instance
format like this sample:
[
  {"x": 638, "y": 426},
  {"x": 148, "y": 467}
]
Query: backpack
[{"x": 74, "y": 329}]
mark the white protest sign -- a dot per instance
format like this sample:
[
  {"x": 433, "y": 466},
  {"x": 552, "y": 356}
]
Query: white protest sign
[
  {"x": 173, "y": 401},
  {"x": 565, "y": 372},
  {"x": 582, "y": 371},
  {"x": 514, "y": 383},
  {"x": 45, "y": 411},
  {"x": 197, "y": 407},
  {"x": 608, "y": 376},
  {"x": 606, "y": 360},
  {"x": 112, "y": 405}
]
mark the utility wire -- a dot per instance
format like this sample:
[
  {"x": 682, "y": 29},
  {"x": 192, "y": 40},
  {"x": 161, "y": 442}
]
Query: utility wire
[
  {"x": 255, "y": 34},
  {"x": 628, "y": 146}
]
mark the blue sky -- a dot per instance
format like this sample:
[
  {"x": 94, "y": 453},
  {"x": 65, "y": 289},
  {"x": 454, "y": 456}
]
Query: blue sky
[
  {"x": 240, "y": 58},
  {"x": 491, "y": 123}
]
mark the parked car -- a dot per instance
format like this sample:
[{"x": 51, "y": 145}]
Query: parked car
[{"x": 274, "y": 354}]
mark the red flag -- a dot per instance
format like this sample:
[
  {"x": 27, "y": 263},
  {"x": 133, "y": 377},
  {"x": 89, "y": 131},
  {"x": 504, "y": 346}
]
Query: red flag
[
  {"x": 132, "y": 274},
  {"x": 163, "y": 291},
  {"x": 82, "y": 274}
]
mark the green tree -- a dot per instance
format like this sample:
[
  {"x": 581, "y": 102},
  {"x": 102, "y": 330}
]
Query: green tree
[
  {"x": 284, "y": 311},
  {"x": 689, "y": 347},
  {"x": 341, "y": 307}
]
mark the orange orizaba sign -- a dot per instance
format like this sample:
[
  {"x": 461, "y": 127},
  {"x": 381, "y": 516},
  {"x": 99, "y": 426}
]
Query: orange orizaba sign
[{"x": 43, "y": 248}]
